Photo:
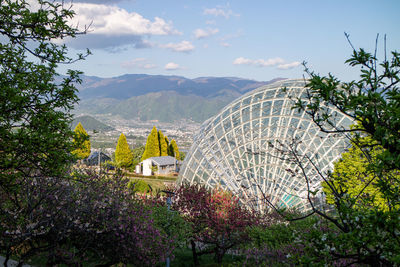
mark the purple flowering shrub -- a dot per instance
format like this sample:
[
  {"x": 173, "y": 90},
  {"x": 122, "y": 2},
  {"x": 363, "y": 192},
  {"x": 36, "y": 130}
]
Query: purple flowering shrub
[{"x": 87, "y": 219}]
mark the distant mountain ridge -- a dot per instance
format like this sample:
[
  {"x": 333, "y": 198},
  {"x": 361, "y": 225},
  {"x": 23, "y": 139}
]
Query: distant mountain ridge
[{"x": 159, "y": 97}]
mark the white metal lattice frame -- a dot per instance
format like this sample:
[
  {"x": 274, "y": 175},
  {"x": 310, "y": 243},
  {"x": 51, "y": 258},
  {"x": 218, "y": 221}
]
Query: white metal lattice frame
[{"x": 231, "y": 148}]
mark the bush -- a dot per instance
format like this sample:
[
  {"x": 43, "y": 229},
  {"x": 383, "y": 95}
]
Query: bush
[
  {"x": 90, "y": 219},
  {"x": 139, "y": 186}
]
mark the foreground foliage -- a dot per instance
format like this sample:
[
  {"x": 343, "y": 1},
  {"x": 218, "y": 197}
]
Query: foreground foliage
[
  {"x": 98, "y": 221},
  {"x": 218, "y": 221},
  {"x": 364, "y": 188},
  {"x": 35, "y": 103}
]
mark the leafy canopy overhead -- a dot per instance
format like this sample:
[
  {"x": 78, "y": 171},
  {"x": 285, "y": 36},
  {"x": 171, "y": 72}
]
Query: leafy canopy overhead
[{"x": 34, "y": 103}]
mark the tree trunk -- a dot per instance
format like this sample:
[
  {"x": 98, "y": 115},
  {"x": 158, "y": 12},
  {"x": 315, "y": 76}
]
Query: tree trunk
[
  {"x": 219, "y": 254},
  {"x": 195, "y": 259},
  {"x": 6, "y": 259}
]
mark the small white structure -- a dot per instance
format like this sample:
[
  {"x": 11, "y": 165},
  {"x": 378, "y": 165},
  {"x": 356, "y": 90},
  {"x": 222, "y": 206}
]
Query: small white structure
[{"x": 158, "y": 165}]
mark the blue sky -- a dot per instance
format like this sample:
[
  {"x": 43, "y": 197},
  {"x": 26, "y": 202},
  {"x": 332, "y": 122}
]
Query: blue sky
[{"x": 259, "y": 40}]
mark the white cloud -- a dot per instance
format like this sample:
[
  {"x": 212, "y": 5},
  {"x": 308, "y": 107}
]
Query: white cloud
[
  {"x": 224, "y": 44},
  {"x": 223, "y": 11},
  {"x": 279, "y": 62},
  {"x": 113, "y": 20},
  {"x": 98, "y": 1},
  {"x": 226, "y": 37},
  {"x": 172, "y": 66},
  {"x": 141, "y": 63},
  {"x": 258, "y": 62},
  {"x": 289, "y": 65},
  {"x": 203, "y": 33},
  {"x": 184, "y": 46},
  {"x": 112, "y": 26}
]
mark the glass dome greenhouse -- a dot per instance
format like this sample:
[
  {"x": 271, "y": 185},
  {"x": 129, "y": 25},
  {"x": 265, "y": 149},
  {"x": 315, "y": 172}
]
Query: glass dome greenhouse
[{"x": 237, "y": 149}]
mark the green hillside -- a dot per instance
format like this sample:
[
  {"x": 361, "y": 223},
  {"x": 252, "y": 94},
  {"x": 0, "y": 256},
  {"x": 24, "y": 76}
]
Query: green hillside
[
  {"x": 160, "y": 97},
  {"x": 90, "y": 124},
  {"x": 164, "y": 106}
]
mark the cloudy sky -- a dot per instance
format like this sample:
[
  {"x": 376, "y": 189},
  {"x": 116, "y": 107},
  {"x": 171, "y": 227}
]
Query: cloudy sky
[{"x": 259, "y": 40}]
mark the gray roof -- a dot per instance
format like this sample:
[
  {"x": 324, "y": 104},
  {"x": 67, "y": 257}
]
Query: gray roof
[
  {"x": 93, "y": 159},
  {"x": 164, "y": 160}
]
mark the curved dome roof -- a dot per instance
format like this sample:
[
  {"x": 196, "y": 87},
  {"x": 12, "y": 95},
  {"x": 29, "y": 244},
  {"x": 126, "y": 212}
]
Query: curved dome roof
[{"x": 234, "y": 149}]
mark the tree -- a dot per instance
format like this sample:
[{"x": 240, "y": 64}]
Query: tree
[
  {"x": 163, "y": 144},
  {"x": 123, "y": 154},
  {"x": 361, "y": 229},
  {"x": 137, "y": 154},
  {"x": 35, "y": 105},
  {"x": 152, "y": 145},
  {"x": 173, "y": 149},
  {"x": 352, "y": 175},
  {"x": 218, "y": 220},
  {"x": 82, "y": 142}
]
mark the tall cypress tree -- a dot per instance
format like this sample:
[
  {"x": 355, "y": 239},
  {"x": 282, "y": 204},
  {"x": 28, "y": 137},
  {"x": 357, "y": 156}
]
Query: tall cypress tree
[
  {"x": 152, "y": 145},
  {"x": 163, "y": 144},
  {"x": 167, "y": 142},
  {"x": 81, "y": 142},
  {"x": 123, "y": 154},
  {"x": 173, "y": 149}
]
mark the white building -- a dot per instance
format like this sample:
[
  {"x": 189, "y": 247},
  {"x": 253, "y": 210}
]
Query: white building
[{"x": 158, "y": 166}]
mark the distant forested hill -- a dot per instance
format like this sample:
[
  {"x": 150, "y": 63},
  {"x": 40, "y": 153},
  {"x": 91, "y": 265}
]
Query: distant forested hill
[
  {"x": 90, "y": 124},
  {"x": 163, "y": 98}
]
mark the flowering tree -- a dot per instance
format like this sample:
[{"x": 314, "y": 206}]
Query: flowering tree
[
  {"x": 97, "y": 221},
  {"x": 218, "y": 221},
  {"x": 364, "y": 187}
]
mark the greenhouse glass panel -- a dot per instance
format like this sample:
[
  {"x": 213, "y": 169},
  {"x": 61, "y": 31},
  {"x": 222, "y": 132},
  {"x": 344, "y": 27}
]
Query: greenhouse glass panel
[{"x": 236, "y": 148}]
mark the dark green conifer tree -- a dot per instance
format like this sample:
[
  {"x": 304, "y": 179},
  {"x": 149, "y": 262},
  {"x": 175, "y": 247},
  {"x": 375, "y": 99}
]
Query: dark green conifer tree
[
  {"x": 152, "y": 145},
  {"x": 123, "y": 154}
]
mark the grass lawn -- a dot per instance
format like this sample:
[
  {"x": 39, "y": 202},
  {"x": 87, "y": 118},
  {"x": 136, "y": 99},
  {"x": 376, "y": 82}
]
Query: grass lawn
[{"x": 184, "y": 258}]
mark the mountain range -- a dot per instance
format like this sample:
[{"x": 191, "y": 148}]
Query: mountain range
[{"x": 159, "y": 97}]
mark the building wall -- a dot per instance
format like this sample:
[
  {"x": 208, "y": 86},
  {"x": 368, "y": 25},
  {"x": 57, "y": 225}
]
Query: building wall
[
  {"x": 147, "y": 167},
  {"x": 138, "y": 169},
  {"x": 166, "y": 169}
]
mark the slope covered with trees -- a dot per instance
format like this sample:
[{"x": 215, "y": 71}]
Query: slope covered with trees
[
  {"x": 91, "y": 124},
  {"x": 166, "y": 98}
]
